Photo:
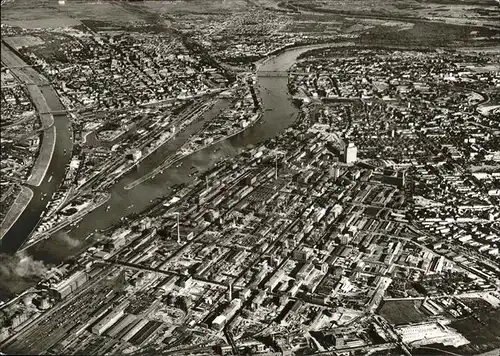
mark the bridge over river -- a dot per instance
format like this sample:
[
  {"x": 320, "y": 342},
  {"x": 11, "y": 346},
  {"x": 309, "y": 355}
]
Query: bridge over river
[{"x": 276, "y": 74}]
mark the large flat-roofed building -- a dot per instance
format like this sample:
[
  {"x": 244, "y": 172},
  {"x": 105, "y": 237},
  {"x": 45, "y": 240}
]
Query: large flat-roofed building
[
  {"x": 68, "y": 285},
  {"x": 219, "y": 322},
  {"x": 350, "y": 153},
  {"x": 110, "y": 318},
  {"x": 430, "y": 333}
]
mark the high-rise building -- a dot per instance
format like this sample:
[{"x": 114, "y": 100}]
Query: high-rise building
[
  {"x": 350, "y": 153},
  {"x": 335, "y": 172}
]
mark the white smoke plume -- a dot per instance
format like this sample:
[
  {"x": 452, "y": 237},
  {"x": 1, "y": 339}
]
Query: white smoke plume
[
  {"x": 21, "y": 265},
  {"x": 69, "y": 241}
]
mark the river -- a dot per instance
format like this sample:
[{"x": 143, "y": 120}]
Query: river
[
  {"x": 29, "y": 218},
  {"x": 279, "y": 114}
]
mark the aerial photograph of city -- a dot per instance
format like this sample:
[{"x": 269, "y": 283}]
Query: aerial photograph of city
[{"x": 250, "y": 177}]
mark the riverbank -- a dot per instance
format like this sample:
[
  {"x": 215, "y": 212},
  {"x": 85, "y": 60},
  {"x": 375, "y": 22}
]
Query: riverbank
[
  {"x": 32, "y": 81},
  {"x": 168, "y": 163},
  {"x": 39, "y": 170},
  {"x": 193, "y": 115},
  {"x": 20, "y": 203},
  {"x": 51, "y": 159},
  {"x": 35, "y": 239},
  {"x": 44, "y": 157},
  {"x": 279, "y": 113}
]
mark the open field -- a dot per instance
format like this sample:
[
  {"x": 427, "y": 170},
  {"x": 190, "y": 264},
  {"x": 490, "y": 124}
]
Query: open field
[
  {"x": 197, "y": 6},
  {"x": 29, "y": 14},
  {"x": 482, "y": 330},
  {"x": 23, "y": 41},
  {"x": 426, "y": 34},
  {"x": 402, "y": 311},
  {"x": 484, "y": 338},
  {"x": 479, "y": 12},
  {"x": 48, "y": 14}
]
